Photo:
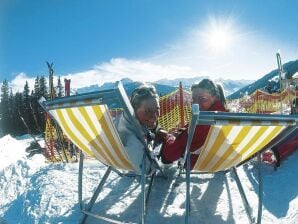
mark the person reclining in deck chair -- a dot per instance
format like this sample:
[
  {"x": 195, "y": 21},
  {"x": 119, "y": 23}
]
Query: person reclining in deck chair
[
  {"x": 289, "y": 144},
  {"x": 294, "y": 107},
  {"x": 210, "y": 97},
  {"x": 145, "y": 102}
]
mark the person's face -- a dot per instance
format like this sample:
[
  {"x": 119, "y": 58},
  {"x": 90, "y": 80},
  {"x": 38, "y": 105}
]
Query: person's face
[
  {"x": 203, "y": 98},
  {"x": 148, "y": 112}
]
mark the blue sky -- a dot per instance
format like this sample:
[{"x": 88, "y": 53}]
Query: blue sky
[{"x": 92, "y": 42}]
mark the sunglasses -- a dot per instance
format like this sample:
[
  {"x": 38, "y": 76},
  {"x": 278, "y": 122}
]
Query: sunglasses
[{"x": 142, "y": 91}]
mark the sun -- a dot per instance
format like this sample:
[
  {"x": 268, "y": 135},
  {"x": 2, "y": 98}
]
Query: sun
[
  {"x": 219, "y": 39},
  {"x": 219, "y": 35}
]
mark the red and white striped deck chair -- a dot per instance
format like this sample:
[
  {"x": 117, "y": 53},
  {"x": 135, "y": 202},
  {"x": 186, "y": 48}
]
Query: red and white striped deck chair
[
  {"x": 85, "y": 119},
  {"x": 233, "y": 139}
]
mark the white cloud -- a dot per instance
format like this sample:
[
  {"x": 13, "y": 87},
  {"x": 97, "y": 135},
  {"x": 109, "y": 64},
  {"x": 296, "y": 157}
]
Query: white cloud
[
  {"x": 114, "y": 70},
  {"x": 18, "y": 83},
  {"x": 244, "y": 54},
  {"x": 119, "y": 68}
]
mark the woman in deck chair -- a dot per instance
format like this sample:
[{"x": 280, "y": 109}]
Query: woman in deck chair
[
  {"x": 294, "y": 107},
  {"x": 287, "y": 145},
  {"x": 145, "y": 102},
  {"x": 210, "y": 97}
]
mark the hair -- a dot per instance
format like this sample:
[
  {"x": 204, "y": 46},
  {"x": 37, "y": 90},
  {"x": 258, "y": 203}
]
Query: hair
[
  {"x": 295, "y": 102},
  {"x": 294, "y": 106},
  {"x": 143, "y": 92},
  {"x": 212, "y": 88},
  {"x": 221, "y": 92}
]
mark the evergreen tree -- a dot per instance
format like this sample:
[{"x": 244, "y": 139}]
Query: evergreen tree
[
  {"x": 42, "y": 92},
  {"x": 19, "y": 110},
  {"x": 43, "y": 89},
  {"x": 36, "y": 111},
  {"x": 26, "y": 97},
  {"x": 36, "y": 88},
  {"x": 13, "y": 116},
  {"x": 35, "y": 107},
  {"x": 59, "y": 88},
  {"x": 4, "y": 108},
  {"x": 26, "y": 112}
]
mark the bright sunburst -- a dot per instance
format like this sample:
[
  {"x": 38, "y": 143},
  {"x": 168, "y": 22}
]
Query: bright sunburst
[
  {"x": 219, "y": 35},
  {"x": 219, "y": 39}
]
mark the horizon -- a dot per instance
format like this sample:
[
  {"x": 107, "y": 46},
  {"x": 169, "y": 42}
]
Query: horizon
[{"x": 103, "y": 42}]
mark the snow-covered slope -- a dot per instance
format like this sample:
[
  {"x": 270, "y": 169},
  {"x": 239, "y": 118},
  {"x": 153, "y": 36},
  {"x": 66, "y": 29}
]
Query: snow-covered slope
[{"x": 33, "y": 191}]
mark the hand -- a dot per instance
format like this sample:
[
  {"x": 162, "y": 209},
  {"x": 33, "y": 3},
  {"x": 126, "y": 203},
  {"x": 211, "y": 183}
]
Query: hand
[
  {"x": 177, "y": 132},
  {"x": 161, "y": 135}
]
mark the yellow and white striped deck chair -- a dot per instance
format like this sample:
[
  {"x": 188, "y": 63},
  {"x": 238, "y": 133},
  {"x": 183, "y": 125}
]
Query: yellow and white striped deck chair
[
  {"x": 86, "y": 121},
  {"x": 233, "y": 139}
]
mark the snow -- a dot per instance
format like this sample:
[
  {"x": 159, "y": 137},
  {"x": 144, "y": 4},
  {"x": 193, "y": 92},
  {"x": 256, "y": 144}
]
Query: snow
[{"x": 33, "y": 191}]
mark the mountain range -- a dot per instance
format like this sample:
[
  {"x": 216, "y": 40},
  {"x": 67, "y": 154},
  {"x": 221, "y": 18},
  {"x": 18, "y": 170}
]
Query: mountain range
[
  {"x": 233, "y": 88},
  {"x": 129, "y": 86},
  {"x": 165, "y": 86},
  {"x": 272, "y": 79}
]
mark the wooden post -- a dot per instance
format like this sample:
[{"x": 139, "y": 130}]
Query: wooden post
[
  {"x": 181, "y": 104},
  {"x": 67, "y": 87}
]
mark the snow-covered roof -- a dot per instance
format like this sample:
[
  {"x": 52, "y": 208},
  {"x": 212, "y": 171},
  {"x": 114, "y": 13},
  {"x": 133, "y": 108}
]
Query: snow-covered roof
[
  {"x": 295, "y": 76},
  {"x": 274, "y": 79}
]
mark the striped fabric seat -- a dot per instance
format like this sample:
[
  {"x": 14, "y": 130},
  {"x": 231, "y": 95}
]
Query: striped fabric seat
[
  {"x": 227, "y": 146},
  {"x": 233, "y": 139},
  {"x": 91, "y": 129}
]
